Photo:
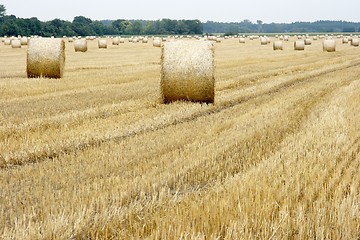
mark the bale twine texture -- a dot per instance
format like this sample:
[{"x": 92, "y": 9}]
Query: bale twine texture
[
  {"x": 187, "y": 71},
  {"x": 45, "y": 58}
]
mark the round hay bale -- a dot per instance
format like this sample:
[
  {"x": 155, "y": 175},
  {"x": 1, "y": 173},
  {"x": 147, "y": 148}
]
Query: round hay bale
[
  {"x": 45, "y": 58},
  {"x": 80, "y": 45},
  {"x": 145, "y": 40},
  {"x": 16, "y": 43},
  {"x": 121, "y": 40},
  {"x": 157, "y": 42},
  {"x": 115, "y": 41},
  {"x": 187, "y": 71},
  {"x": 355, "y": 42},
  {"x": 329, "y": 45},
  {"x": 24, "y": 41},
  {"x": 102, "y": 43},
  {"x": 286, "y": 38},
  {"x": 307, "y": 41},
  {"x": 71, "y": 39},
  {"x": 7, "y": 41},
  {"x": 299, "y": 45},
  {"x": 242, "y": 40},
  {"x": 345, "y": 40},
  {"x": 263, "y": 41},
  {"x": 278, "y": 45}
]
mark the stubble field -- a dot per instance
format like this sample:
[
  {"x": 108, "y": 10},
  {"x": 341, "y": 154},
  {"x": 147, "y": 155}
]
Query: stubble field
[{"x": 96, "y": 155}]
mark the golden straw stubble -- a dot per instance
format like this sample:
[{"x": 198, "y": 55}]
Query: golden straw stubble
[
  {"x": 45, "y": 57},
  {"x": 187, "y": 71}
]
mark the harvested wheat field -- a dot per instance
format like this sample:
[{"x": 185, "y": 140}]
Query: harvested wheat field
[{"x": 97, "y": 155}]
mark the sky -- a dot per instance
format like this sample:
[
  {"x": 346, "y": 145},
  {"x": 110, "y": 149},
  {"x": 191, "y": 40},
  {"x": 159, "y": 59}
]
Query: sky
[{"x": 268, "y": 11}]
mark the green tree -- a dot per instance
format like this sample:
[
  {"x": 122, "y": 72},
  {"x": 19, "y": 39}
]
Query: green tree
[{"x": 2, "y": 10}]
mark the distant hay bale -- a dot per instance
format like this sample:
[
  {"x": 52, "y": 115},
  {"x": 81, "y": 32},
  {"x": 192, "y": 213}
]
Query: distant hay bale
[
  {"x": 263, "y": 41},
  {"x": 242, "y": 40},
  {"x": 121, "y": 40},
  {"x": 286, "y": 38},
  {"x": 315, "y": 38},
  {"x": 355, "y": 42},
  {"x": 115, "y": 41},
  {"x": 218, "y": 40},
  {"x": 24, "y": 41},
  {"x": 157, "y": 42},
  {"x": 102, "y": 43},
  {"x": 7, "y": 41},
  {"x": 307, "y": 41},
  {"x": 71, "y": 39},
  {"x": 299, "y": 45},
  {"x": 45, "y": 58},
  {"x": 16, "y": 43},
  {"x": 145, "y": 40},
  {"x": 345, "y": 40},
  {"x": 80, "y": 45},
  {"x": 329, "y": 45},
  {"x": 187, "y": 71},
  {"x": 278, "y": 45}
]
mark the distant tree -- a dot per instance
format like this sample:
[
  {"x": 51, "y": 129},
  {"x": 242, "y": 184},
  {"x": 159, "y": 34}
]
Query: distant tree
[{"x": 2, "y": 10}]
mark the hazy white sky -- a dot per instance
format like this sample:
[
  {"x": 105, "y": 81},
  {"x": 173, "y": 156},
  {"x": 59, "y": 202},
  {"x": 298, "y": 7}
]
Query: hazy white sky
[{"x": 279, "y": 11}]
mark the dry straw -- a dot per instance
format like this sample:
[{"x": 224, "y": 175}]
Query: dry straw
[
  {"x": 187, "y": 71},
  {"x": 45, "y": 57},
  {"x": 278, "y": 45},
  {"x": 329, "y": 45},
  {"x": 299, "y": 45},
  {"x": 16, "y": 43},
  {"x": 102, "y": 43},
  {"x": 80, "y": 45}
]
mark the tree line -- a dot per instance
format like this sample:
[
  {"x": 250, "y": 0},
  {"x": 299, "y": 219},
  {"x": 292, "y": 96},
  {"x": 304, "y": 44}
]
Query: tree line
[
  {"x": 11, "y": 25},
  {"x": 247, "y": 26}
]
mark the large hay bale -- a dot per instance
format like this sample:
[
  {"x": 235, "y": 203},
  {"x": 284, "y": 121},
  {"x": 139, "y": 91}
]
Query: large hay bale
[
  {"x": 80, "y": 45},
  {"x": 299, "y": 45},
  {"x": 345, "y": 40},
  {"x": 15, "y": 43},
  {"x": 45, "y": 57},
  {"x": 102, "y": 43},
  {"x": 187, "y": 71},
  {"x": 278, "y": 45},
  {"x": 329, "y": 45}
]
